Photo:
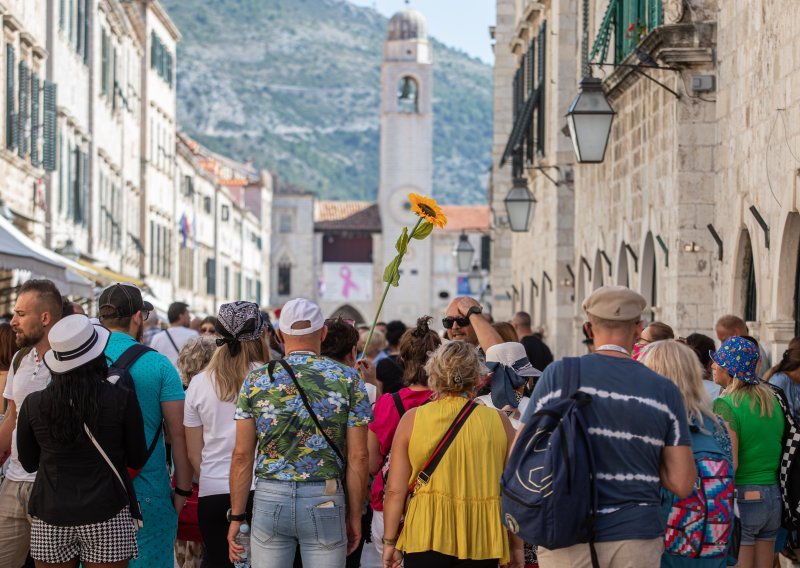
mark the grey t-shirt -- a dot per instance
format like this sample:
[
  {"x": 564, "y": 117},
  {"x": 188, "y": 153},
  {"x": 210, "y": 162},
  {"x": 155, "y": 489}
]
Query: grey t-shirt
[{"x": 633, "y": 415}]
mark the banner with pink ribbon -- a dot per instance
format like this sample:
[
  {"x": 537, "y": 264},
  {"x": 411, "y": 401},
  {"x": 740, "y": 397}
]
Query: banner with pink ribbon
[{"x": 346, "y": 282}]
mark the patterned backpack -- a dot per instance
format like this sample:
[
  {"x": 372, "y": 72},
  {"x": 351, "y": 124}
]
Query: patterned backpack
[{"x": 699, "y": 526}]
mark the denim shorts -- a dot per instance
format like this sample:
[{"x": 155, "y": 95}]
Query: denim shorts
[{"x": 760, "y": 512}]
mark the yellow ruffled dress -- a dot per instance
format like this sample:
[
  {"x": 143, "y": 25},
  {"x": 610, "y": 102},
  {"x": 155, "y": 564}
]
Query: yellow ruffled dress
[{"x": 458, "y": 512}]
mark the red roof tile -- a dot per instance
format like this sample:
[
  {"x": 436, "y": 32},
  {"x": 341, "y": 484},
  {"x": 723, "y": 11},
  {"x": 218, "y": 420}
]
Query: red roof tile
[
  {"x": 347, "y": 215},
  {"x": 464, "y": 217}
]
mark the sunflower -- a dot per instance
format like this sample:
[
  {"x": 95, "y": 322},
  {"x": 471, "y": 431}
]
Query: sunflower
[{"x": 427, "y": 209}]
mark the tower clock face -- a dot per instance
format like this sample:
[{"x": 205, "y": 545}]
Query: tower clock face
[{"x": 400, "y": 207}]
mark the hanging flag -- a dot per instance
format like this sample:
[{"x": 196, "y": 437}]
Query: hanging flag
[{"x": 184, "y": 228}]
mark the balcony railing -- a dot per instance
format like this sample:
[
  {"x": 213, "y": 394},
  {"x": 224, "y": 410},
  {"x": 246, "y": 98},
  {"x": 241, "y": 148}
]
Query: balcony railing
[{"x": 628, "y": 22}]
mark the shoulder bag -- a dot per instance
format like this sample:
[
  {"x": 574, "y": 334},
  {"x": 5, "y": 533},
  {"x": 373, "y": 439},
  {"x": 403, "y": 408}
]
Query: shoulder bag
[{"x": 133, "y": 503}]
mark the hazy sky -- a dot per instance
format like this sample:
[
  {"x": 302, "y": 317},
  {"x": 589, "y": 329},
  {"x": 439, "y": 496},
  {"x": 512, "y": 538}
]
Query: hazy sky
[{"x": 458, "y": 23}]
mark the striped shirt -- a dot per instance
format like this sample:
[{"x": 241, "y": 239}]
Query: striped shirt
[{"x": 633, "y": 415}]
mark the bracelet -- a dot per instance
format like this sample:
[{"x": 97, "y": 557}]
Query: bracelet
[
  {"x": 182, "y": 492},
  {"x": 389, "y": 541}
]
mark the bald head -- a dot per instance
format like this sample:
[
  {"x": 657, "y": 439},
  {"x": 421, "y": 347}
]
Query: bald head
[
  {"x": 522, "y": 324},
  {"x": 730, "y": 326}
]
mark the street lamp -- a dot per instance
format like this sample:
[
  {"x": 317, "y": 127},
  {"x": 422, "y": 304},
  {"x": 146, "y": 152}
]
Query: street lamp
[
  {"x": 70, "y": 251},
  {"x": 475, "y": 279},
  {"x": 464, "y": 252},
  {"x": 589, "y": 119},
  {"x": 519, "y": 205}
]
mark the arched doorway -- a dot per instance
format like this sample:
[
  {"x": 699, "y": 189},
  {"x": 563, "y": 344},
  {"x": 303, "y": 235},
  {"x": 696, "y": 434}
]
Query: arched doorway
[
  {"x": 597, "y": 271},
  {"x": 787, "y": 303},
  {"x": 745, "y": 286},
  {"x": 649, "y": 276},
  {"x": 348, "y": 312},
  {"x": 623, "y": 277}
]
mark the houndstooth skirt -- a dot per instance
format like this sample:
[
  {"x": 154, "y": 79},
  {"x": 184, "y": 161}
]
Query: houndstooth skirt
[{"x": 113, "y": 540}]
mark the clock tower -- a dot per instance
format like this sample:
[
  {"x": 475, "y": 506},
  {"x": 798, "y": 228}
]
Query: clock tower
[{"x": 406, "y": 158}]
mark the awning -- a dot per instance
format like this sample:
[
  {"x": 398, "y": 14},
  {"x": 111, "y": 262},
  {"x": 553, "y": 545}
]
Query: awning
[
  {"x": 20, "y": 252},
  {"x": 106, "y": 276},
  {"x": 522, "y": 123}
]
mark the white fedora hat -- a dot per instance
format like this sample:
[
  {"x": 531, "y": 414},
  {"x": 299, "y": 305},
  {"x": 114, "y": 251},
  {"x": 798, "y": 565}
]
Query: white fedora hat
[
  {"x": 74, "y": 341},
  {"x": 512, "y": 354}
]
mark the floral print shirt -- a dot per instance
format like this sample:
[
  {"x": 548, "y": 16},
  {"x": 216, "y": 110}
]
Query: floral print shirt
[{"x": 290, "y": 447}]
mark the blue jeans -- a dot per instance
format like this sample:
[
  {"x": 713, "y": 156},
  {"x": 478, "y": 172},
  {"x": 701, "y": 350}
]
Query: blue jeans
[
  {"x": 286, "y": 513},
  {"x": 760, "y": 512}
]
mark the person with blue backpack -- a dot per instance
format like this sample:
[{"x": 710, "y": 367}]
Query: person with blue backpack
[
  {"x": 699, "y": 527},
  {"x": 602, "y": 434}
]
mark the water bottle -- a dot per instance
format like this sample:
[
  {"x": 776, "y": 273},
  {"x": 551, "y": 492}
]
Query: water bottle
[{"x": 243, "y": 539}]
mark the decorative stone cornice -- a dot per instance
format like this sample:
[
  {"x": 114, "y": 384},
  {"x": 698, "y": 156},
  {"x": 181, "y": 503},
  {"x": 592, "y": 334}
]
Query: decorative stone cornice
[{"x": 11, "y": 23}]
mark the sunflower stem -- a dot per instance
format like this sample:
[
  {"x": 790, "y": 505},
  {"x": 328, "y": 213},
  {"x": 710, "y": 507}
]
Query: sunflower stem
[{"x": 385, "y": 293}]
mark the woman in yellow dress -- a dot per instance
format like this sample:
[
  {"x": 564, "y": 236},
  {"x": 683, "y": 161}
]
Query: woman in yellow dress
[{"x": 455, "y": 518}]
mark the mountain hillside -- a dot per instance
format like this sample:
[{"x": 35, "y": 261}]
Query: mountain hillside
[{"x": 294, "y": 84}]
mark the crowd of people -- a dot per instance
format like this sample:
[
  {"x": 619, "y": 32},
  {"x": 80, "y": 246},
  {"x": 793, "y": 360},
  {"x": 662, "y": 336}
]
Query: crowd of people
[{"x": 129, "y": 444}]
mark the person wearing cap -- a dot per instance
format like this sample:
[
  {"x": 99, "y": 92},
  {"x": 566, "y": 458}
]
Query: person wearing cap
[
  {"x": 210, "y": 406},
  {"x": 510, "y": 372},
  {"x": 639, "y": 433},
  {"x": 80, "y": 506},
  {"x": 170, "y": 341},
  {"x": 300, "y": 497},
  {"x": 755, "y": 421},
  {"x": 37, "y": 310},
  {"x": 160, "y": 394}
]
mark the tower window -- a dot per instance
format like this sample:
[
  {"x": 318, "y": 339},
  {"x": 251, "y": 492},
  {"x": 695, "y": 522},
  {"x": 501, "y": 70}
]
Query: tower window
[{"x": 407, "y": 95}]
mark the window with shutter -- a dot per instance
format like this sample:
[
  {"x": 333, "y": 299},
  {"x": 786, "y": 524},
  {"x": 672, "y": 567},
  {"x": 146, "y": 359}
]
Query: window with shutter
[
  {"x": 258, "y": 291},
  {"x": 87, "y": 11},
  {"x": 61, "y": 15},
  {"x": 79, "y": 37},
  {"x": 226, "y": 281},
  {"x": 114, "y": 89},
  {"x": 540, "y": 86},
  {"x": 284, "y": 278},
  {"x": 211, "y": 276},
  {"x": 104, "y": 62},
  {"x": 50, "y": 121},
  {"x": 22, "y": 111},
  {"x": 11, "y": 117},
  {"x": 72, "y": 21},
  {"x": 486, "y": 252},
  {"x": 152, "y": 247},
  {"x": 35, "y": 117},
  {"x": 62, "y": 172}
]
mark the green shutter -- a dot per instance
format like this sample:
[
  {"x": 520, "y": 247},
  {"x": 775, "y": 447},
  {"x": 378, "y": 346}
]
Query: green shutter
[
  {"x": 104, "y": 62},
  {"x": 114, "y": 89},
  {"x": 35, "y": 120},
  {"x": 542, "y": 87},
  {"x": 49, "y": 126},
  {"x": 62, "y": 170},
  {"x": 655, "y": 14},
  {"x": 61, "y": 14},
  {"x": 79, "y": 37},
  {"x": 22, "y": 112},
  {"x": 11, "y": 122},
  {"x": 87, "y": 10}
]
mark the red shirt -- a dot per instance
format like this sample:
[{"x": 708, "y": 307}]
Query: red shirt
[{"x": 384, "y": 426}]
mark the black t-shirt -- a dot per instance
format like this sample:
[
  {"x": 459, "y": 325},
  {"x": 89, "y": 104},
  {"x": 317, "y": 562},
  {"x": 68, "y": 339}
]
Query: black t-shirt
[
  {"x": 74, "y": 484},
  {"x": 389, "y": 372},
  {"x": 538, "y": 353}
]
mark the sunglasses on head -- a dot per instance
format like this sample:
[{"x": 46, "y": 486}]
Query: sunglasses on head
[{"x": 449, "y": 321}]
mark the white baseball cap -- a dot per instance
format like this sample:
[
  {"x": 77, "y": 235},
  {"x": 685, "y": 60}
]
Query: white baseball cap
[{"x": 298, "y": 310}]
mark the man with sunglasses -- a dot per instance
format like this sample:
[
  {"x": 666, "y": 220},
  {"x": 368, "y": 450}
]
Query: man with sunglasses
[{"x": 464, "y": 321}]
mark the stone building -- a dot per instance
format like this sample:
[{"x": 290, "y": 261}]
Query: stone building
[{"x": 694, "y": 204}]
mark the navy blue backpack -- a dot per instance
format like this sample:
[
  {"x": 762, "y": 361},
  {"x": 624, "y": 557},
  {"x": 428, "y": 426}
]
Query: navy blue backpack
[{"x": 549, "y": 496}]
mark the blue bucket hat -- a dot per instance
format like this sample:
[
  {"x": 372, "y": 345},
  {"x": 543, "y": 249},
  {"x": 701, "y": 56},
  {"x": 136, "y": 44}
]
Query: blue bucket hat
[{"x": 739, "y": 357}]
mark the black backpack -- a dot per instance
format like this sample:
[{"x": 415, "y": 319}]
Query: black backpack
[{"x": 119, "y": 374}]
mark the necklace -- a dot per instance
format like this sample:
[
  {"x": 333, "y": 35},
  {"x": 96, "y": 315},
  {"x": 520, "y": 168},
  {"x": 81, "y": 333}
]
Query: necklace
[
  {"x": 309, "y": 353},
  {"x": 616, "y": 348}
]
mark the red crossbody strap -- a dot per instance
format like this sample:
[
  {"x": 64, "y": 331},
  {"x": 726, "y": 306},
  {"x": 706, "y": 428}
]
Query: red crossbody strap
[{"x": 441, "y": 448}]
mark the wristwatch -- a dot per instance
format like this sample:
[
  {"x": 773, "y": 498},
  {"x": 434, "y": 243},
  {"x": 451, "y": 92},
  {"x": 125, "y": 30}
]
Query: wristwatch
[
  {"x": 237, "y": 518},
  {"x": 474, "y": 310}
]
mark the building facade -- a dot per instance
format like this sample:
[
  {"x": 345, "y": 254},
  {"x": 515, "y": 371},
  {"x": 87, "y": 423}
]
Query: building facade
[{"x": 694, "y": 204}]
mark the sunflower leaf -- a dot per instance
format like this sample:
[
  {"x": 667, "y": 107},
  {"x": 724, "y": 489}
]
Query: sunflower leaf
[
  {"x": 402, "y": 242},
  {"x": 391, "y": 268},
  {"x": 422, "y": 231}
]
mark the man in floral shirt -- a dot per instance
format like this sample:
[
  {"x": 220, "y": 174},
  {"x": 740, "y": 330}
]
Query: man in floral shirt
[{"x": 300, "y": 497}]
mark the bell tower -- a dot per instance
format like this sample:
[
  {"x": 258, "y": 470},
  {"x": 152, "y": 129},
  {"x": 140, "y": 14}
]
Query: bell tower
[{"x": 406, "y": 157}]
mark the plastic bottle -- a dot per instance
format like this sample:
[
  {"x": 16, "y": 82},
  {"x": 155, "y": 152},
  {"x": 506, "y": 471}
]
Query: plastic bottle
[{"x": 243, "y": 539}]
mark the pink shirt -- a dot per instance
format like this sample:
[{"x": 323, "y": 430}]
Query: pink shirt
[{"x": 384, "y": 426}]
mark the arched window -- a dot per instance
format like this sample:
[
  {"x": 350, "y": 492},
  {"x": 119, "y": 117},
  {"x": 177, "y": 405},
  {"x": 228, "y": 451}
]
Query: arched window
[
  {"x": 751, "y": 291},
  {"x": 407, "y": 95},
  {"x": 623, "y": 276},
  {"x": 649, "y": 277},
  {"x": 284, "y": 277}
]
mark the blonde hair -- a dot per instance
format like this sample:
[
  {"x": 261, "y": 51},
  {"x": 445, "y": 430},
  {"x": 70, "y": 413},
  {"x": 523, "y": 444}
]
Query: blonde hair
[
  {"x": 679, "y": 363},
  {"x": 228, "y": 372},
  {"x": 453, "y": 368},
  {"x": 759, "y": 393},
  {"x": 194, "y": 357}
]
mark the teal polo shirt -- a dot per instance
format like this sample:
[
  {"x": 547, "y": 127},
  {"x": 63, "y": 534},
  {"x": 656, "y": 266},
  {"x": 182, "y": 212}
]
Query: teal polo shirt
[{"x": 156, "y": 381}]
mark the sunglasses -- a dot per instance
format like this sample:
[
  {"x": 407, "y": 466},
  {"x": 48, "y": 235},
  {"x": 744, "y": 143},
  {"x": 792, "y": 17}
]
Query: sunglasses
[
  {"x": 145, "y": 315},
  {"x": 207, "y": 330},
  {"x": 330, "y": 321},
  {"x": 449, "y": 321}
]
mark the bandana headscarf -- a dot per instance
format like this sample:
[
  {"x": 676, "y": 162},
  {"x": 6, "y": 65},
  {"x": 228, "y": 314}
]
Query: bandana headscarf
[{"x": 237, "y": 322}]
